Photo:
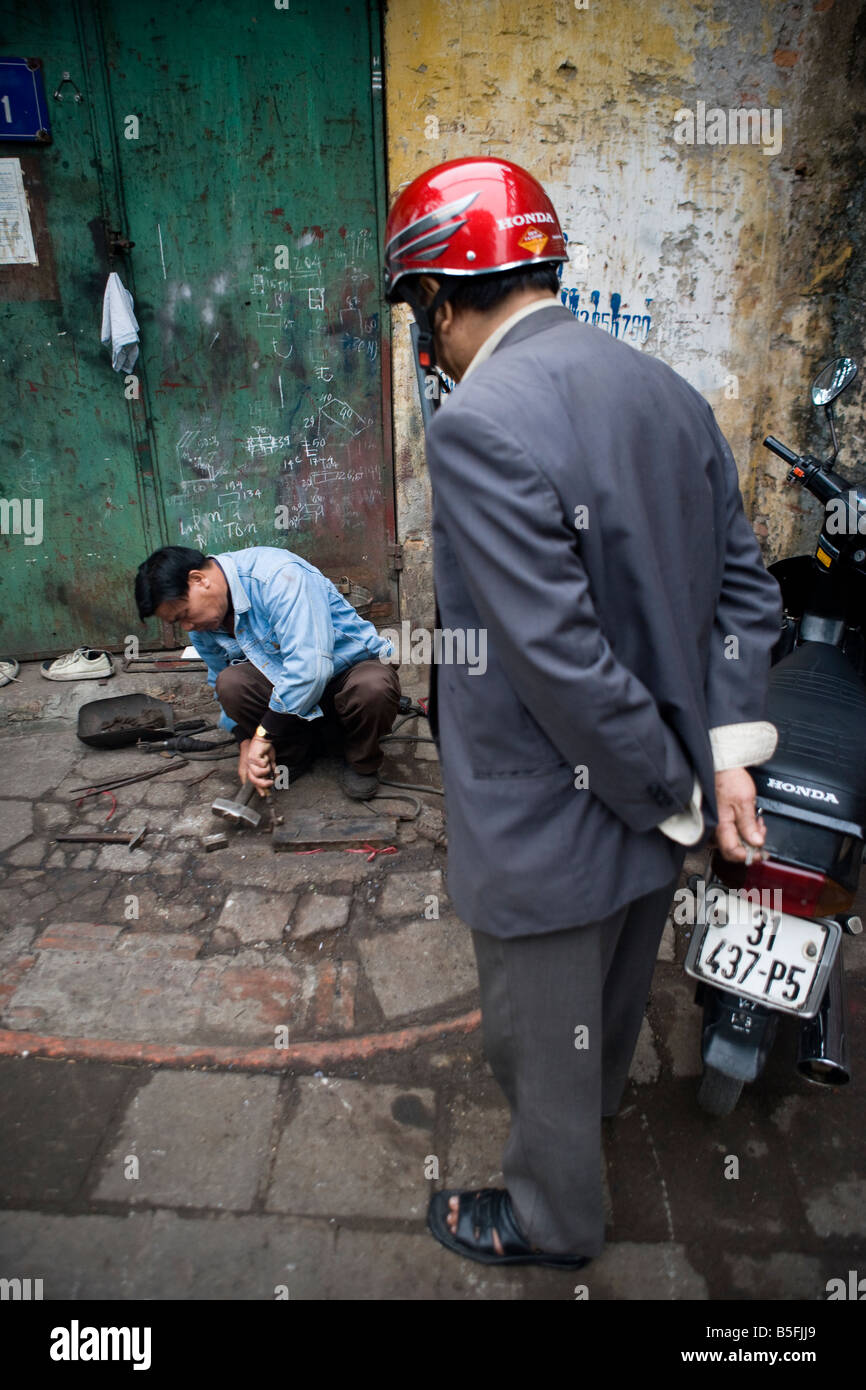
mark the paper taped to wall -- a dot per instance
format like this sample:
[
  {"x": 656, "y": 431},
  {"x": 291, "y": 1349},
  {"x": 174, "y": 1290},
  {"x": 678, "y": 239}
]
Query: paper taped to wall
[{"x": 16, "y": 237}]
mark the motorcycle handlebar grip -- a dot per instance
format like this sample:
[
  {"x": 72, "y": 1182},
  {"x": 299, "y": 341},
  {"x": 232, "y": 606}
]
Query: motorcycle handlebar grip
[{"x": 781, "y": 449}]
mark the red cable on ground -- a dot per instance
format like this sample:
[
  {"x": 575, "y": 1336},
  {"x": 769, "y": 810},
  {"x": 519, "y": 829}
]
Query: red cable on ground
[
  {"x": 102, "y": 793},
  {"x": 371, "y": 852},
  {"x": 367, "y": 849}
]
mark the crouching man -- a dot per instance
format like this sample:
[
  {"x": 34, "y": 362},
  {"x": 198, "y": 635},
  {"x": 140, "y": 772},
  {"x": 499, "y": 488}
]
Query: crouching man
[{"x": 290, "y": 659}]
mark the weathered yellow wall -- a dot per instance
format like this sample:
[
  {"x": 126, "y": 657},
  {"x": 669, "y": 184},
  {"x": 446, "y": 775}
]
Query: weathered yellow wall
[{"x": 742, "y": 261}]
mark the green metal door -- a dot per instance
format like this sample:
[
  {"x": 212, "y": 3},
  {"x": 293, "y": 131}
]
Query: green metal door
[
  {"x": 250, "y": 161},
  {"x": 67, "y": 446},
  {"x": 239, "y": 149}
]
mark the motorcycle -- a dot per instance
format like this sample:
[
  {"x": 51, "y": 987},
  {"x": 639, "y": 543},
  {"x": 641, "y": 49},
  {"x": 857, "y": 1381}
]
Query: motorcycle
[{"x": 767, "y": 937}]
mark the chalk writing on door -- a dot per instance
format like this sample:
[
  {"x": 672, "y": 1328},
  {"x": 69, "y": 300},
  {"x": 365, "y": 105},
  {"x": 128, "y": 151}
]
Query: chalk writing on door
[{"x": 311, "y": 446}]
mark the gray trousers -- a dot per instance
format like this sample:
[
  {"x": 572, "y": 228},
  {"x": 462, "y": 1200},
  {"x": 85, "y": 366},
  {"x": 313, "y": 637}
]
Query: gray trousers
[{"x": 561, "y": 1014}]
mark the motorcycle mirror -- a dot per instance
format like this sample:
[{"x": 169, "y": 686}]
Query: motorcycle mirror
[{"x": 832, "y": 380}]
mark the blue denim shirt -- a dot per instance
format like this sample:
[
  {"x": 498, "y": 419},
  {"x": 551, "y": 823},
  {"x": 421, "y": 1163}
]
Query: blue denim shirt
[{"x": 292, "y": 623}]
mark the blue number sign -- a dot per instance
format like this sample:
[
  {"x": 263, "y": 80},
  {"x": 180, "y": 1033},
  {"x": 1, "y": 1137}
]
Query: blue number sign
[{"x": 23, "y": 108}]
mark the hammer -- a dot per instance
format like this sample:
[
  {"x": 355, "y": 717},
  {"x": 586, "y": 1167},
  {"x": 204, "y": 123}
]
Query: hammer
[{"x": 238, "y": 810}]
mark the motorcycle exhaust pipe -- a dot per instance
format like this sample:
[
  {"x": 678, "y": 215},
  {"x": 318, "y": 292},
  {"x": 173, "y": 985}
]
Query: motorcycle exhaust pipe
[{"x": 822, "y": 1055}]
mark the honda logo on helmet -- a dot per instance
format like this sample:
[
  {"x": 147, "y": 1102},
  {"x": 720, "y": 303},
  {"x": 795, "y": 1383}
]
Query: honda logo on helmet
[{"x": 522, "y": 219}]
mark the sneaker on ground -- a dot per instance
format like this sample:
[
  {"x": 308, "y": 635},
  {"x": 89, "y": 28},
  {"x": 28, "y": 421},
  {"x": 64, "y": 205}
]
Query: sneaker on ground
[
  {"x": 84, "y": 664},
  {"x": 8, "y": 671}
]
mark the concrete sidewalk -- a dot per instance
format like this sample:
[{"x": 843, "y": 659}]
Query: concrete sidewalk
[{"x": 227, "y": 1074}]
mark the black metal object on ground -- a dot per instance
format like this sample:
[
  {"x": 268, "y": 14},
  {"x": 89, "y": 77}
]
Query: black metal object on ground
[{"x": 122, "y": 720}]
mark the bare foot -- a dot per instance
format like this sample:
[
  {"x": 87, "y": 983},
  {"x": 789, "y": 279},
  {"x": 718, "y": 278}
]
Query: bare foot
[{"x": 452, "y": 1218}]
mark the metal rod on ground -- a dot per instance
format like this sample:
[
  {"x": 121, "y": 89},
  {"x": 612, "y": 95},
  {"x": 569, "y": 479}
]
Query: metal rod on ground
[
  {"x": 104, "y": 837},
  {"x": 92, "y": 790}
]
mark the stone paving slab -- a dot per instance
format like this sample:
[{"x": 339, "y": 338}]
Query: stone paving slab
[
  {"x": 77, "y": 1257},
  {"x": 28, "y": 854},
  {"x": 673, "y": 999},
  {"x": 262, "y": 868},
  {"x": 16, "y": 823},
  {"x": 141, "y": 996},
  {"x": 175, "y": 945},
  {"x": 238, "y": 1257},
  {"x": 409, "y": 894},
  {"x": 160, "y": 794},
  {"x": 804, "y": 1117},
  {"x": 320, "y": 912},
  {"x": 16, "y": 942},
  {"x": 163, "y": 1255},
  {"x": 354, "y": 1148},
  {"x": 77, "y": 936},
  {"x": 35, "y": 764},
  {"x": 53, "y": 1117},
  {"x": 200, "y": 1140},
  {"x": 121, "y": 859},
  {"x": 372, "y": 1265},
  {"x": 333, "y": 1005},
  {"x": 628, "y": 1270},
  {"x": 786, "y": 1274},
  {"x": 255, "y": 916},
  {"x": 419, "y": 966}
]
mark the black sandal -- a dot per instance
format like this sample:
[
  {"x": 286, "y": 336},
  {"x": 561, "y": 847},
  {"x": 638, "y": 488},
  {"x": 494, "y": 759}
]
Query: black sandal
[{"x": 480, "y": 1214}]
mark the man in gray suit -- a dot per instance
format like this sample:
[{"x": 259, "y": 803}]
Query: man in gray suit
[{"x": 587, "y": 515}]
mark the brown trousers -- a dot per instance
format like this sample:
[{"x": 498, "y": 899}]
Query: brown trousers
[{"x": 358, "y": 707}]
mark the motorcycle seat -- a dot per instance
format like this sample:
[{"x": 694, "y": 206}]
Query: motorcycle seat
[{"x": 817, "y": 701}]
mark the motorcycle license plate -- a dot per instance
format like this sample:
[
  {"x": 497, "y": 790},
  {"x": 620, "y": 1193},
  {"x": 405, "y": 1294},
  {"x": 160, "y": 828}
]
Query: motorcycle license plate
[{"x": 771, "y": 957}]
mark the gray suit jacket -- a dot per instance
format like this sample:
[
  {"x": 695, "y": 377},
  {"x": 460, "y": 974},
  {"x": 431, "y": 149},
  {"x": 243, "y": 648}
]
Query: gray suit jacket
[{"x": 587, "y": 515}]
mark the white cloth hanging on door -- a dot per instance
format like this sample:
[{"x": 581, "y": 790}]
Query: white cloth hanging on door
[{"x": 119, "y": 324}]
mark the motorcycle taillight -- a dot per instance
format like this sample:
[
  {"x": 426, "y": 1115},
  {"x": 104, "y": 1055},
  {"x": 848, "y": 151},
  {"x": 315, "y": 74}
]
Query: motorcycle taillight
[{"x": 804, "y": 892}]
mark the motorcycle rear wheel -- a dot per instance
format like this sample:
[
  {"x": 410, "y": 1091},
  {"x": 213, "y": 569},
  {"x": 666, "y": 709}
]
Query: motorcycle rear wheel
[{"x": 718, "y": 1093}]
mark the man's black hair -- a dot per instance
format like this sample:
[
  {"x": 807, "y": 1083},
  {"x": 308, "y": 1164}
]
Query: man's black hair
[
  {"x": 165, "y": 575},
  {"x": 483, "y": 292}
]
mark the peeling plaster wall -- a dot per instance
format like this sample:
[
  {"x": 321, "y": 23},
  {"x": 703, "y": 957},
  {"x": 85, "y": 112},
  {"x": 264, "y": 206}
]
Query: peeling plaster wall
[{"x": 742, "y": 269}]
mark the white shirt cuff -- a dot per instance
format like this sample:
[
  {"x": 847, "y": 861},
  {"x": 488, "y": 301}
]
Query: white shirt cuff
[{"x": 686, "y": 827}]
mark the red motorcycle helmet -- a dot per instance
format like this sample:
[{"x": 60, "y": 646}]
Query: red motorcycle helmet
[
  {"x": 470, "y": 217},
  {"x": 466, "y": 217}
]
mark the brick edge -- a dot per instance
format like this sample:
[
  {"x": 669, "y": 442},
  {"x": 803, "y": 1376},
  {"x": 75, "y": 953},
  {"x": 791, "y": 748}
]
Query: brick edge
[{"x": 302, "y": 1055}]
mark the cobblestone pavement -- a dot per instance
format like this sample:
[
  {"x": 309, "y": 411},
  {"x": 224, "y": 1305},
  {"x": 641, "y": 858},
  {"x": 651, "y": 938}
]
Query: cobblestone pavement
[{"x": 232, "y": 1073}]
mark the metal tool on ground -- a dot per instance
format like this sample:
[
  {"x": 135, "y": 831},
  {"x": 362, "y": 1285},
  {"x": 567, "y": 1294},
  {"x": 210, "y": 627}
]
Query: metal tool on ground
[
  {"x": 104, "y": 837},
  {"x": 200, "y": 748},
  {"x": 110, "y": 785},
  {"x": 315, "y": 832},
  {"x": 237, "y": 809},
  {"x": 124, "y": 719},
  {"x": 212, "y": 842},
  {"x": 162, "y": 663}
]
